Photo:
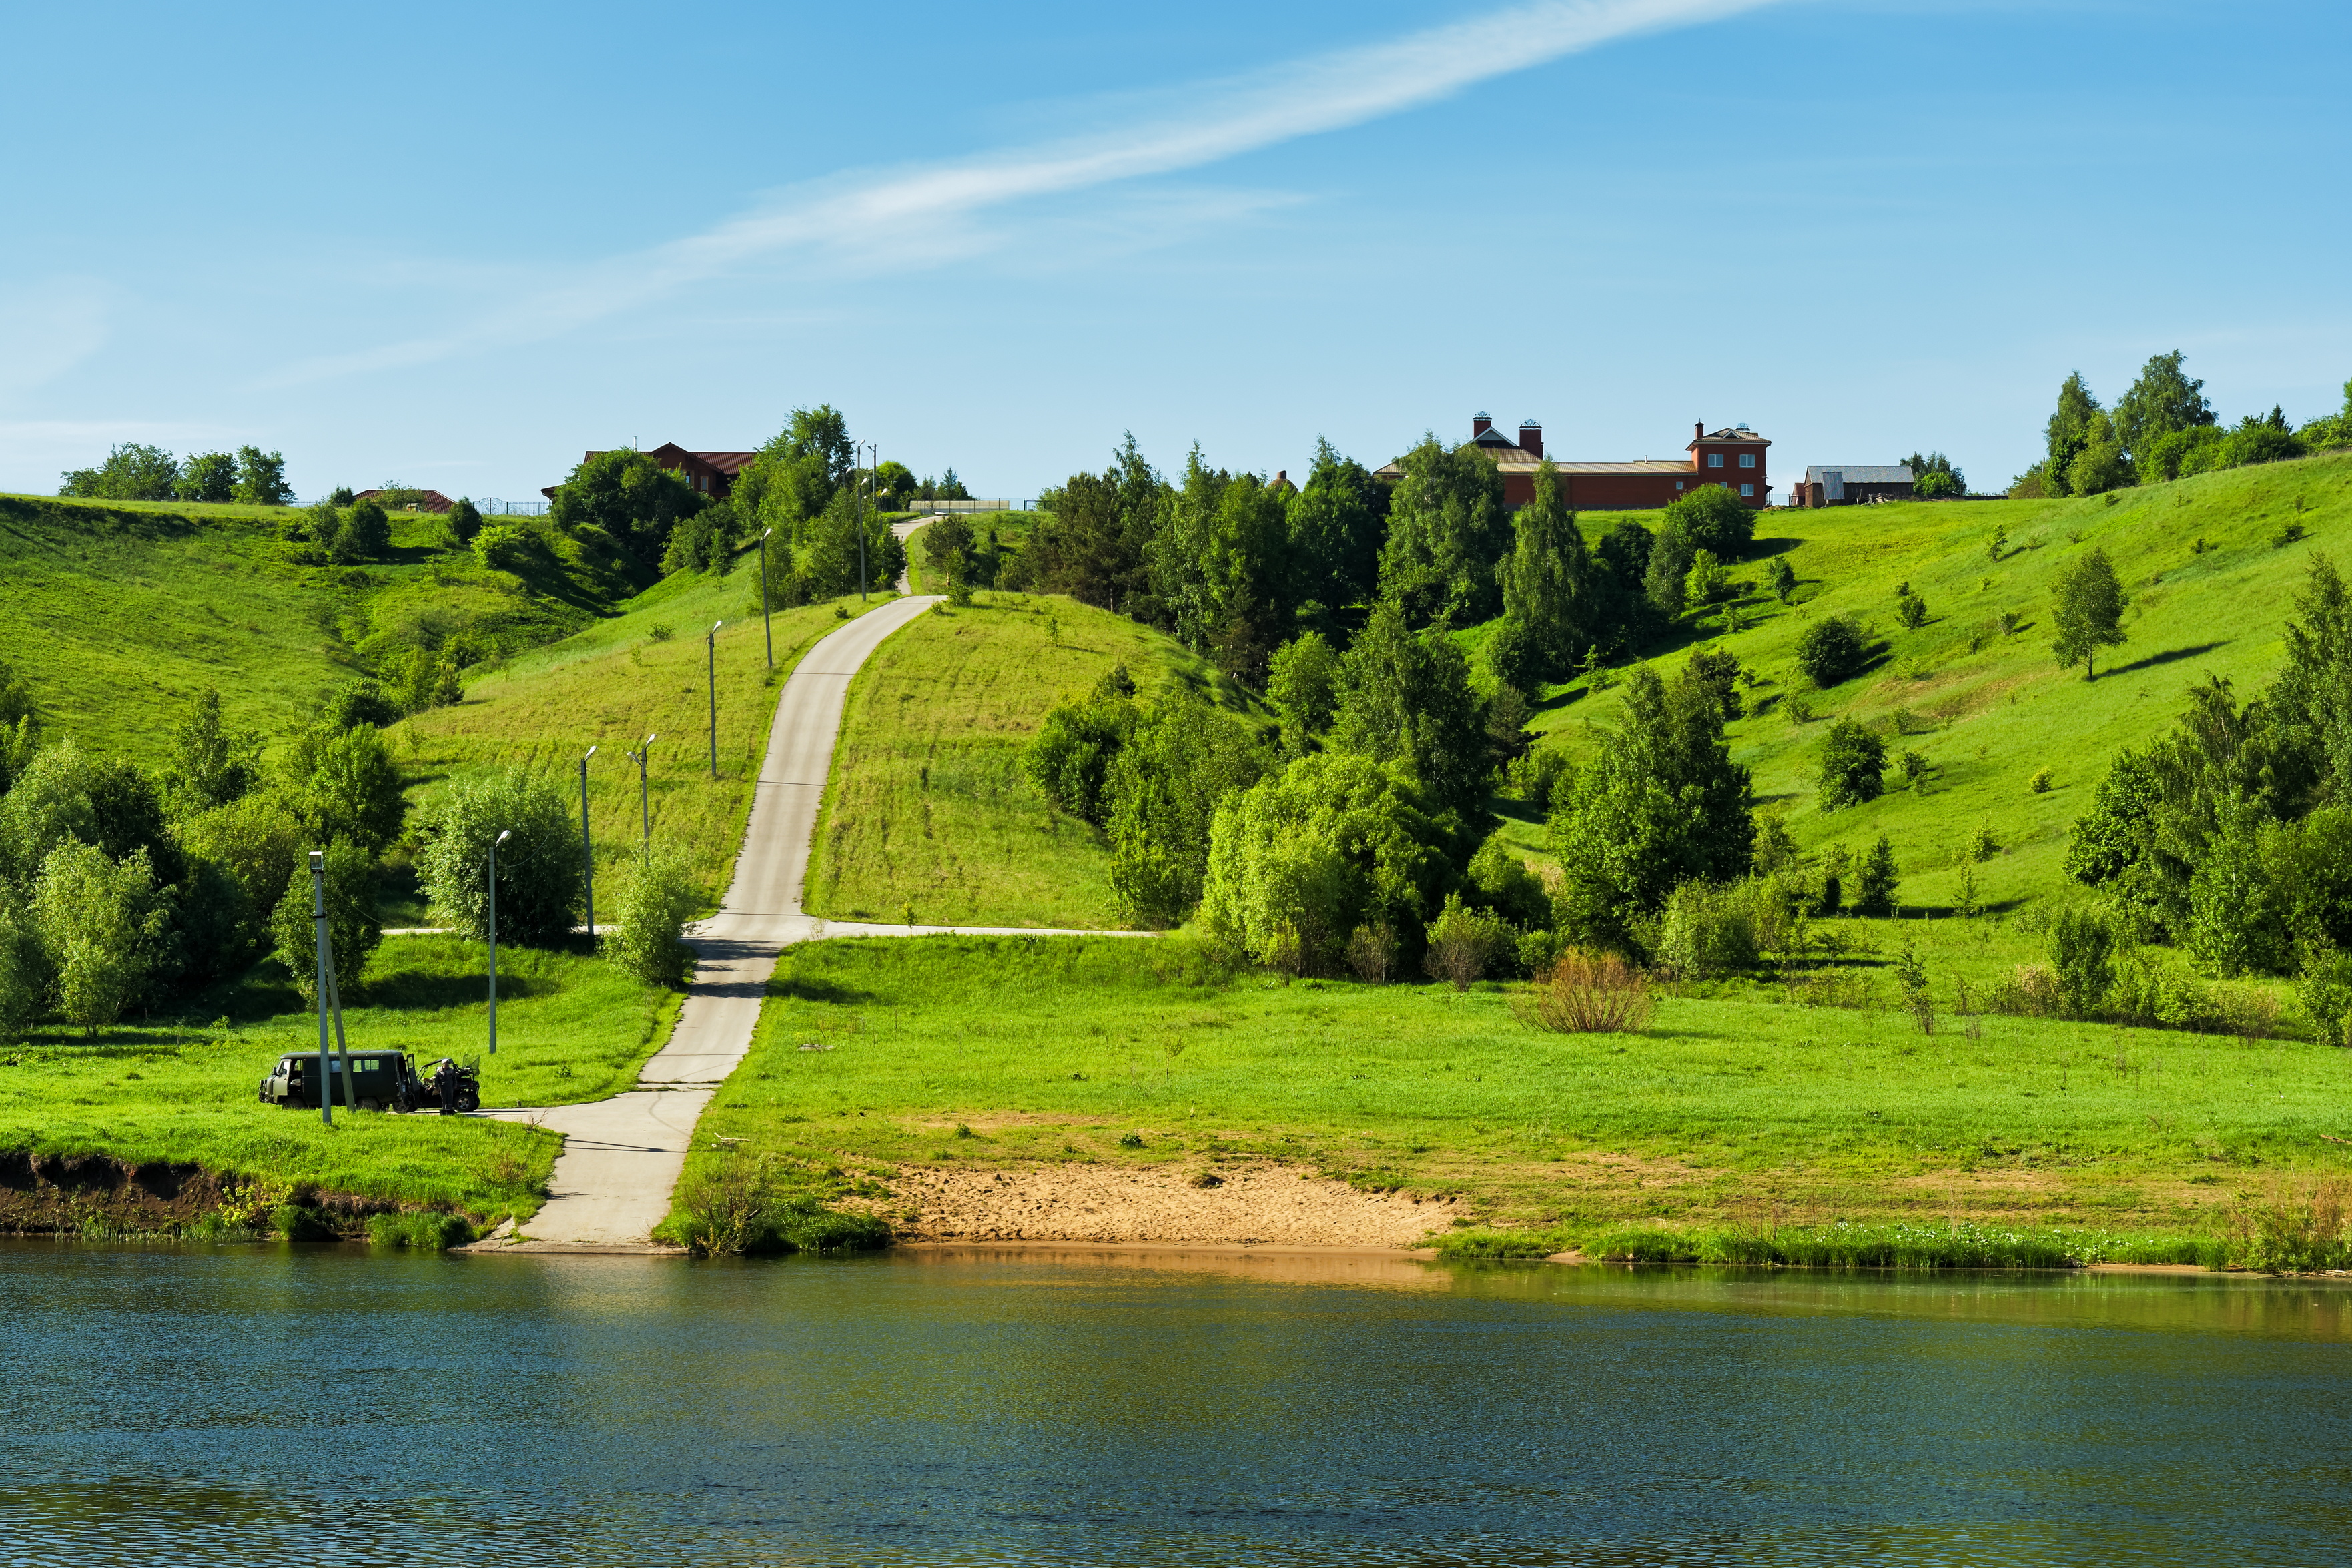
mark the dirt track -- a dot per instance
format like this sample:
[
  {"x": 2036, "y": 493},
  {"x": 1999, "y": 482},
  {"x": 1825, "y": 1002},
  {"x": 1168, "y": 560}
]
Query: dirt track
[{"x": 1273, "y": 1205}]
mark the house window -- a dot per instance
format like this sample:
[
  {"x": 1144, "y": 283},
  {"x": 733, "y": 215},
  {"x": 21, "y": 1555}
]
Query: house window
[
  {"x": 1748, "y": 491},
  {"x": 1747, "y": 459},
  {"x": 1678, "y": 484},
  {"x": 1715, "y": 459}
]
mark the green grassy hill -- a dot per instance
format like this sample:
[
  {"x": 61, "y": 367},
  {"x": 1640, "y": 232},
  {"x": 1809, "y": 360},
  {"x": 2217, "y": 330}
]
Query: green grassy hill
[
  {"x": 119, "y": 612},
  {"x": 1987, "y": 709},
  {"x": 927, "y": 806}
]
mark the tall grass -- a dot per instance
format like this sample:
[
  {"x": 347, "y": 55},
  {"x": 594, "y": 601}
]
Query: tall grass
[
  {"x": 1902, "y": 1247},
  {"x": 1589, "y": 994},
  {"x": 740, "y": 1206}
]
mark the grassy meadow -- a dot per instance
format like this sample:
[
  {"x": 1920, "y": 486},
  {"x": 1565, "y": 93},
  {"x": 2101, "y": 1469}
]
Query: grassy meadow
[
  {"x": 2210, "y": 584},
  {"x": 927, "y": 806},
  {"x": 992, "y": 1052},
  {"x": 642, "y": 670},
  {"x": 570, "y": 1027},
  {"x": 120, "y": 612}
]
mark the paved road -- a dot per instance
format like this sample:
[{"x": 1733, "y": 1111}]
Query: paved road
[{"x": 622, "y": 1156}]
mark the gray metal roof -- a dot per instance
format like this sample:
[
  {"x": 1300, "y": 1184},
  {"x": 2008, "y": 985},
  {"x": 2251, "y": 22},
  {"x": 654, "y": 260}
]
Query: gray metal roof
[{"x": 1860, "y": 473}]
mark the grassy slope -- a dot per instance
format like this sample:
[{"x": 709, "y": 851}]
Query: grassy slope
[
  {"x": 641, "y": 672},
  {"x": 118, "y": 613},
  {"x": 1051, "y": 1048},
  {"x": 570, "y": 1028},
  {"x": 928, "y": 806},
  {"x": 1995, "y": 713}
]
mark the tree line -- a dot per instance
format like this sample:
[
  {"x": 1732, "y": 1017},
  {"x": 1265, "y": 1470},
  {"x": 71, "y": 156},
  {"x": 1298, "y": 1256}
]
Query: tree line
[
  {"x": 2162, "y": 429},
  {"x": 134, "y": 471}
]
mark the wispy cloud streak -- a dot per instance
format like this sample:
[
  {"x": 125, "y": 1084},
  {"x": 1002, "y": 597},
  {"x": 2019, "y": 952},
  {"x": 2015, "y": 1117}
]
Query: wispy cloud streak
[{"x": 1305, "y": 97}]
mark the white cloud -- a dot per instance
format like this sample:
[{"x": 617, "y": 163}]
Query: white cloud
[{"x": 861, "y": 212}]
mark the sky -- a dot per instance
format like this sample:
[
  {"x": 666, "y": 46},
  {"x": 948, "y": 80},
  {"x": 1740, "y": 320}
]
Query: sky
[{"x": 457, "y": 246}]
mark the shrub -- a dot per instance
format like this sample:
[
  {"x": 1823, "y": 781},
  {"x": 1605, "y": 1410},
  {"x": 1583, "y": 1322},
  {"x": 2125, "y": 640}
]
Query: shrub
[
  {"x": 1709, "y": 932},
  {"x": 427, "y": 1230},
  {"x": 503, "y": 546},
  {"x": 101, "y": 927},
  {"x": 540, "y": 868},
  {"x": 1583, "y": 993},
  {"x": 1372, "y": 952},
  {"x": 1536, "y": 776},
  {"x": 2081, "y": 956},
  {"x": 657, "y": 899},
  {"x": 2324, "y": 989},
  {"x": 1782, "y": 579},
  {"x": 464, "y": 521},
  {"x": 1069, "y": 758},
  {"x": 1464, "y": 942},
  {"x": 1911, "y": 982},
  {"x": 361, "y": 702},
  {"x": 1873, "y": 891},
  {"x": 1853, "y": 762},
  {"x": 1499, "y": 880},
  {"x": 1831, "y": 649},
  {"x": 1712, "y": 518},
  {"x": 1912, "y": 611}
]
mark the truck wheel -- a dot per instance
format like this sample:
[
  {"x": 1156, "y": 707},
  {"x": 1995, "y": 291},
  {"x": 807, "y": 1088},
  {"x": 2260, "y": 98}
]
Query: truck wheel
[{"x": 468, "y": 1100}]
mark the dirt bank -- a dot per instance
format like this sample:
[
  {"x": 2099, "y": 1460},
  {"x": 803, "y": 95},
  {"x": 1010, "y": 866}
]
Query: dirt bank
[
  {"x": 71, "y": 1195},
  {"x": 1265, "y": 1206}
]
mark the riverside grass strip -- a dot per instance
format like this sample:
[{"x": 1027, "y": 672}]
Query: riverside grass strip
[
  {"x": 640, "y": 673},
  {"x": 570, "y": 1027},
  {"x": 1730, "y": 1106},
  {"x": 927, "y": 806},
  {"x": 2210, "y": 586}
]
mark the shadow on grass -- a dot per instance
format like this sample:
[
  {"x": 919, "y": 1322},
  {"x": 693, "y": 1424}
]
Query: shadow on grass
[
  {"x": 411, "y": 990},
  {"x": 807, "y": 988},
  {"x": 2170, "y": 656}
]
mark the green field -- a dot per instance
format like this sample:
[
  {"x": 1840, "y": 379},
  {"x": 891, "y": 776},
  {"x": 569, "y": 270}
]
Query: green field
[
  {"x": 641, "y": 672},
  {"x": 1987, "y": 709},
  {"x": 118, "y": 612},
  {"x": 927, "y": 806},
  {"x": 1728, "y": 1108},
  {"x": 570, "y": 1028}
]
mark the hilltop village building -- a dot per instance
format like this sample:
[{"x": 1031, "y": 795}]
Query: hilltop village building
[
  {"x": 1853, "y": 484},
  {"x": 1733, "y": 456},
  {"x": 712, "y": 473}
]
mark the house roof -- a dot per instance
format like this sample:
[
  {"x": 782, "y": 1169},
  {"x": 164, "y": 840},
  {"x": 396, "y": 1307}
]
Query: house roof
[
  {"x": 1732, "y": 433},
  {"x": 1860, "y": 473},
  {"x": 731, "y": 464}
]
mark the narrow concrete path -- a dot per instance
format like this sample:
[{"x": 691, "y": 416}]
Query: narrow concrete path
[
  {"x": 622, "y": 1156},
  {"x": 904, "y": 531}
]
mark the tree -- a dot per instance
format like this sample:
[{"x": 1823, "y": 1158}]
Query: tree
[
  {"x": 1096, "y": 540},
  {"x": 1406, "y": 697},
  {"x": 1660, "y": 803},
  {"x": 254, "y": 840},
  {"x": 2070, "y": 429},
  {"x": 657, "y": 898},
  {"x": 1666, "y": 581},
  {"x": 352, "y": 932},
  {"x": 1708, "y": 581},
  {"x": 1303, "y": 684},
  {"x": 1712, "y": 518},
  {"x": 894, "y": 486},
  {"x": 1447, "y": 532},
  {"x": 1830, "y": 651},
  {"x": 627, "y": 495},
  {"x": 1547, "y": 579},
  {"x": 210, "y": 765},
  {"x": 947, "y": 546},
  {"x": 1935, "y": 475},
  {"x": 539, "y": 870},
  {"x": 207, "y": 477},
  {"x": 2089, "y": 608},
  {"x": 131, "y": 472},
  {"x": 1184, "y": 759},
  {"x": 1853, "y": 762},
  {"x": 261, "y": 478},
  {"x": 464, "y": 521},
  {"x": 829, "y": 558},
  {"x": 65, "y": 792},
  {"x": 1782, "y": 579},
  {"x": 951, "y": 488},
  {"x": 2102, "y": 465},
  {"x": 1336, "y": 524},
  {"x": 365, "y": 535},
  {"x": 101, "y": 924},
  {"x": 343, "y": 786},
  {"x": 2163, "y": 400},
  {"x": 1874, "y": 887},
  {"x": 1068, "y": 761}
]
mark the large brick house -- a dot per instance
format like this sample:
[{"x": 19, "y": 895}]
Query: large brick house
[
  {"x": 1733, "y": 456},
  {"x": 712, "y": 473}
]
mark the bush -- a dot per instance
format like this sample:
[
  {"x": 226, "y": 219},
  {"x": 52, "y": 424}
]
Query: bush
[
  {"x": 1873, "y": 891},
  {"x": 504, "y": 546},
  {"x": 361, "y": 702},
  {"x": 2082, "y": 957},
  {"x": 1586, "y": 993},
  {"x": 427, "y": 1230},
  {"x": 2324, "y": 989},
  {"x": 1714, "y": 520},
  {"x": 1709, "y": 932},
  {"x": 1853, "y": 763},
  {"x": 737, "y": 1209},
  {"x": 1466, "y": 942},
  {"x": 1536, "y": 776},
  {"x": 657, "y": 899},
  {"x": 102, "y": 926},
  {"x": 539, "y": 870},
  {"x": 1372, "y": 952},
  {"x": 1782, "y": 579},
  {"x": 1912, "y": 611},
  {"x": 1830, "y": 651},
  {"x": 352, "y": 932},
  {"x": 1499, "y": 880},
  {"x": 1069, "y": 758}
]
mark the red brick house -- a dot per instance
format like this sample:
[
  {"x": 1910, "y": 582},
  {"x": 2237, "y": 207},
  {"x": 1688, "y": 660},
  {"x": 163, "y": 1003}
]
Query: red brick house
[
  {"x": 426, "y": 501},
  {"x": 1732, "y": 457},
  {"x": 712, "y": 473}
]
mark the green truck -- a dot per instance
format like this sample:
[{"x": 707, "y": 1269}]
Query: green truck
[{"x": 381, "y": 1080}]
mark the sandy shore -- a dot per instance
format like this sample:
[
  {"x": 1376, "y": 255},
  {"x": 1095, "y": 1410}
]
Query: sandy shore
[{"x": 1267, "y": 1205}]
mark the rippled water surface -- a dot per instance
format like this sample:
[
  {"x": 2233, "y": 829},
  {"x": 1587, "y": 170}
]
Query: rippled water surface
[{"x": 332, "y": 1405}]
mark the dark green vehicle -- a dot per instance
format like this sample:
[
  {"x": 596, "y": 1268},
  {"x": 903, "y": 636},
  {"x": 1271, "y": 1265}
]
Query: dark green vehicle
[{"x": 381, "y": 1080}]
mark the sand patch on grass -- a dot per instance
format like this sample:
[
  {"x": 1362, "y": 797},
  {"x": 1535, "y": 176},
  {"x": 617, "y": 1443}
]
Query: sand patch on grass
[{"x": 1271, "y": 1205}]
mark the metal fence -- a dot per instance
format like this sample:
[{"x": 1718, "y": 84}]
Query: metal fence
[
  {"x": 999, "y": 503},
  {"x": 491, "y": 506}
]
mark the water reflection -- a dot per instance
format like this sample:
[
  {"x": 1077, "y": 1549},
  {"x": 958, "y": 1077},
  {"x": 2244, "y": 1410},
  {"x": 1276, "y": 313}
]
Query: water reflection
[{"x": 970, "y": 1406}]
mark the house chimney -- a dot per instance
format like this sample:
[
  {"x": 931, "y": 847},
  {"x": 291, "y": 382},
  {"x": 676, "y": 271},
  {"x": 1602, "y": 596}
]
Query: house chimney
[
  {"x": 1698, "y": 429},
  {"x": 1479, "y": 425},
  {"x": 1281, "y": 476},
  {"x": 1531, "y": 438}
]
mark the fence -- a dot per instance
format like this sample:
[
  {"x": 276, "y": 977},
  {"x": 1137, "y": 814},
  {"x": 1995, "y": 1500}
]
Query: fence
[
  {"x": 491, "y": 506},
  {"x": 999, "y": 503}
]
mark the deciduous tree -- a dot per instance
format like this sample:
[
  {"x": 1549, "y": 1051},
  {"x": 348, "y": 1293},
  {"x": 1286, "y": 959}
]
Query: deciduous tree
[{"x": 2088, "y": 608}]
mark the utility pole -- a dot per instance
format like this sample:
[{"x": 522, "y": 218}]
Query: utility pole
[
  {"x": 587, "y": 850},
  {"x": 873, "y": 491},
  {"x": 494, "y": 939},
  {"x": 766, "y": 630},
  {"x": 645, "y": 809},
  {"x": 710, "y": 644},
  {"x": 318, "y": 924},
  {"x": 861, "y": 524}
]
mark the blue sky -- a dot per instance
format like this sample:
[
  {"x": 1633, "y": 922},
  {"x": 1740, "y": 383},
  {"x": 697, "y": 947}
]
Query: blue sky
[{"x": 455, "y": 245}]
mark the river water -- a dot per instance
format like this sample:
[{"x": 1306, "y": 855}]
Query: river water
[{"x": 328, "y": 1404}]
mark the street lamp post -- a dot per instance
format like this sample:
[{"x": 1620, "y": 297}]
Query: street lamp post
[
  {"x": 710, "y": 677},
  {"x": 873, "y": 452},
  {"x": 587, "y": 849},
  {"x": 765, "y": 629},
  {"x": 494, "y": 938},
  {"x": 319, "y": 927},
  {"x": 644, "y": 808}
]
